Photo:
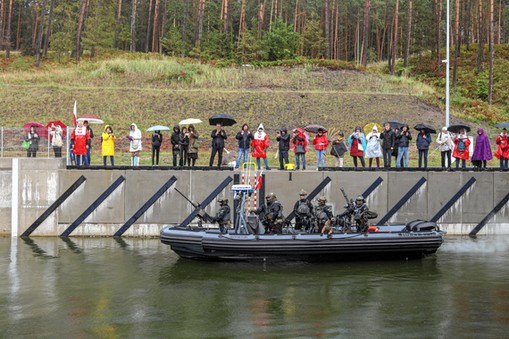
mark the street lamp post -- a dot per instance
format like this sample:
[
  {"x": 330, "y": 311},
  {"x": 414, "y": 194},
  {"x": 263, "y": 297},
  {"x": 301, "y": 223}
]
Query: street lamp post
[{"x": 447, "y": 64}]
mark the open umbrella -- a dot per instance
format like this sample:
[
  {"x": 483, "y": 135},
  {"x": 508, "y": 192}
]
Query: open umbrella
[
  {"x": 369, "y": 127},
  {"x": 314, "y": 128},
  {"x": 41, "y": 129},
  {"x": 57, "y": 123},
  {"x": 502, "y": 125},
  {"x": 395, "y": 124},
  {"x": 223, "y": 119},
  {"x": 456, "y": 128},
  {"x": 190, "y": 121},
  {"x": 425, "y": 127},
  {"x": 158, "y": 128},
  {"x": 92, "y": 119}
]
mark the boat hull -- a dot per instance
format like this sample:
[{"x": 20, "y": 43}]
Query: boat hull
[{"x": 207, "y": 244}]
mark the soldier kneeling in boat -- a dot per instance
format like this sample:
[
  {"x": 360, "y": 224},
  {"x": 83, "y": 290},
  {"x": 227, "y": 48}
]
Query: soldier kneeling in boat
[
  {"x": 303, "y": 210},
  {"x": 223, "y": 215},
  {"x": 271, "y": 215},
  {"x": 360, "y": 214}
]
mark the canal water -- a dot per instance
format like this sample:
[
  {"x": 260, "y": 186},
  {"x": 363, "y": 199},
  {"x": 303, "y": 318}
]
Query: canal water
[{"x": 139, "y": 288}]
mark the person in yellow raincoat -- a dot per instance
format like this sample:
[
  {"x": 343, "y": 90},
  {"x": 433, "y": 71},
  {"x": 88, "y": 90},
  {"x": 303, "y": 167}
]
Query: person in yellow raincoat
[{"x": 108, "y": 145}]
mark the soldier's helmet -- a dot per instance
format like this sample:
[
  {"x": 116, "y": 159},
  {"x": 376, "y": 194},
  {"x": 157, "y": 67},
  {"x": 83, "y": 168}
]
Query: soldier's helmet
[
  {"x": 223, "y": 201},
  {"x": 360, "y": 200},
  {"x": 303, "y": 193},
  {"x": 322, "y": 200},
  {"x": 270, "y": 197}
]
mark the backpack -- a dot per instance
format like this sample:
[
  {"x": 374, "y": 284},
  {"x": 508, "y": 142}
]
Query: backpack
[
  {"x": 303, "y": 207},
  {"x": 461, "y": 145}
]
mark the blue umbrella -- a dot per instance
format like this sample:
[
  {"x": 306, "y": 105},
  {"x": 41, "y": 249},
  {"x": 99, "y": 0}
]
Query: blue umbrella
[{"x": 158, "y": 128}]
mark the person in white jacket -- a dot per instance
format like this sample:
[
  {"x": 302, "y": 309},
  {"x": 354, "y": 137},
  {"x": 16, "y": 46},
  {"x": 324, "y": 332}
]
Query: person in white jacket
[
  {"x": 445, "y": 144},
  {"x": 135, "y": 144}
]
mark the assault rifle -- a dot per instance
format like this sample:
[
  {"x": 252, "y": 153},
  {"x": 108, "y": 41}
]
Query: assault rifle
[
  {"x": 200, "y": 212},
  {"x": 349, "y": 202}
]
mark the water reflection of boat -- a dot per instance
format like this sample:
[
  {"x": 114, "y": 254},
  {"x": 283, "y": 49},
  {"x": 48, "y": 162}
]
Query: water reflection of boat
[{"x": 413, "y": 240}]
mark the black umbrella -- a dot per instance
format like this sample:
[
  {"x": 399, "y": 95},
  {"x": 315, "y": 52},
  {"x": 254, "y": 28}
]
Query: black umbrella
[
  {"x": 426, "y": 128},
  {"x": 314, "y": 128},
  {"x": 395, "y": 124},
  {"x": 502, "y": 125},
  {"x": 456, "y": 128},
  {"x": 223, "y": 119}
]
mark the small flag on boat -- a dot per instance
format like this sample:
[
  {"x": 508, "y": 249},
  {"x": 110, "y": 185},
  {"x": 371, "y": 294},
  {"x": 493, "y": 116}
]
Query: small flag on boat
[{"x": 259, "y": 181}]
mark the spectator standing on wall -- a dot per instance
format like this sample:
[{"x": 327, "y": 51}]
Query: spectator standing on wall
[
  {"x": 403, "y": 142},
  {"x": 194, "y": 144},
  {"x": 373, "y": 148},
  {"x": 218, "y": 136},
  {"x": 339, "y": 148},
  {"x": 502, "y": 152},
  {"x": 33, "y": 138},
  {"x": 320, "y": 142},
  {"x": 388, "y": 138},
  {"x": 422, "y": 142},
  {"x": 56, "y": 140},
  {"x": 184, "y": 146},
  {"x": 88, "y": 160},
  {"x": 108, "y": 145},
  {"x": 283, "y": 139},
  {"x": 157, "y": 141},
  {"x": 259, "y": 147},
  {"x": 135, "y": 145},
  {"x": 482, "y": 151},
  {"x": 175, "y": 145},
  {"x": 461, "y": 149},
  {"x": 445, "y": 144},
  {"x": 244, "y": 137},
  {"x": 357, "y": 142},
  {"x": 80, "y": 140},
  {"x": 299, "y": 144}
]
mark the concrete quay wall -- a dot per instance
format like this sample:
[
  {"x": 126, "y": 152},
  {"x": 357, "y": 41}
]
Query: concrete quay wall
[{"x": 30, "y": 186}]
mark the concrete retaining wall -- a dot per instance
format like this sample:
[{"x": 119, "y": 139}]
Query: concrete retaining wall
[{"x": 30, "y": 186}]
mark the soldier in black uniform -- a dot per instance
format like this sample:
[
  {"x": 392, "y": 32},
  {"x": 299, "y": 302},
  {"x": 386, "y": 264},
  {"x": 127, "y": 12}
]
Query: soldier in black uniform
[
  {"x": 323, "y": 213},
  {"x": 271, "y": 215},
  {"x": 360, "y": 213},
  {"x": 223, "y": 215},
  {"x": 303, "y": 209}
]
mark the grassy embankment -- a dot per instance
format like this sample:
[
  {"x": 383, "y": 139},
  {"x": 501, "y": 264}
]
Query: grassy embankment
[{"x": 150, "y": 90}]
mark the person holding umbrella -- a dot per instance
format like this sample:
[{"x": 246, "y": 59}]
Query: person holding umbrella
[
  {"x": 157, "y": 141},
  {"x": 218, "y": 136},
  {"x": 423, "y": 141},
  {"x": 299, "y": 144},
  {"x": 502, "y": 152},
  {"x": 461, "y": 151},
  {"x": 33, "y": 138},
  {"x": 194, "y": 144},
  {"x": 482, "y": 151},
  {"x": 88, "y": 159}
]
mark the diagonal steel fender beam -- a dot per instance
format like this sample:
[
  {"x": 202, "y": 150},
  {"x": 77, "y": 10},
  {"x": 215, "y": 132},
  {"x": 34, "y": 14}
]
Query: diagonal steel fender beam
[
  {"x": 402, "y": 201},
  {"x": 54, "y": 206},
  {"x": 145, "y": 207},
  {"x": 93, "y": 206},
  {"x": 207, "y": 201}
]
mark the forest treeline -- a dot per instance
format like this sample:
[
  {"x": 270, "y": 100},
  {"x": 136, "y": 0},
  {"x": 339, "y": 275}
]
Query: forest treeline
[{"x": 362, "y": 31}]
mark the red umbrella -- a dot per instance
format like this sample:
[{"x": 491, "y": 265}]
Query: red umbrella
[
  {"x": 41, "y": 129},
  {"x": 92, "y": 119},
  {"x": 57, "y": 123}
]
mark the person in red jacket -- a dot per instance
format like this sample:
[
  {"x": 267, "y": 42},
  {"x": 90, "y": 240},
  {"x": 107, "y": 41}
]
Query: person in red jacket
[
  {"x": 503, "y": 148},
  {"x": 461, "y": 151},
  {"x": 79, "y": 142},
  {"x": 259, "y": 146},
  {"x": 320, "y": 142}
]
